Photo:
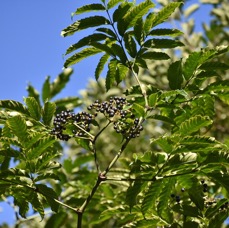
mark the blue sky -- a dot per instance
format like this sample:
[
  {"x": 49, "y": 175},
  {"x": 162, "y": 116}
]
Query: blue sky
[{"x": 32, "y": 48}]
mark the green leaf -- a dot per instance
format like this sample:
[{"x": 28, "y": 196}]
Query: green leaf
[
  {"x": 214, "y": 66},
  {"x": 191, "y": 65},
  {"x": 151, "y": 195},
  {"x": 117, "y": 49},
  {"x": 165, "y": 13},
  {"x": 43, "y": 144},
  {"x": 18, "y": 126},
  {"x": 110, "y": 77},
  {"x": 32, "y": 92},
  {"x": 130, "y": 44},
  {"x": 148, "y": 23},
  {"x": 50, "y": 196},
  {"x": 89, "y": 8},
  {"x": 162, "y": 207},
  {"x": 107, "y": 31},
  {"x": 80, "y": 56},
  {"x": 100, "y": 65},
  {"x": 191, "y": 9},
  {"x": 60, "y": 82},
  {"x": 138, "y": 31},
  {"x": 137, "y": 12},
  {"x": 154, "y": 55},
  {"x": 85, "y": 23},
  {"x": 84, "y": 143},
  {"x": 162, "y": 43},
  {"x": 196, "y": 196},
  {"x": 48, "y": 112},
  {"x": 153, "y": 99},
  {"x": 85, "y": 41},
  {"x": 22, "y": 202},
  {"x": 218, "y": 220},
  {"x": 57, "y": 220},
  {"x": 14, "y": 106},
  {"x": 118, "y": 15},
  {"x": 165, "y": 32},
  {"x": 164, "y": 143},
  {"x": 67, "y": 103},
  {"x": 139, "y": 109},
  {"x": 211, "y": 211},
  {"x": 194, "y": 124},
  {"x": 46, "y": 89},
  {"x": 112, "y": 3},
  {"x": 9, "y": 153},
  {"x": 103, "y": 48},
  {"x": 36, "y": 203},
  {"x": 132, "y": 193},
  {"x": 175, "y": 76},
  {"x": 33, "y": 107},
  {"x": 121, "y": 72}
]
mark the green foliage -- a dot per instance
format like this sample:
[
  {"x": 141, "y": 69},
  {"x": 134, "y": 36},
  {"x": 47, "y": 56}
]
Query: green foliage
[{"x": 149, "y": 147}]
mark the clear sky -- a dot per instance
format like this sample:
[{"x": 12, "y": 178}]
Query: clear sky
[{"x": 31, "y": 48}]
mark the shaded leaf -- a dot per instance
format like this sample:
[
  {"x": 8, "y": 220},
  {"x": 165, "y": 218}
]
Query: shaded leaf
[
  {"x": 85, "y": 41},
  {"x": 130, "y": 44},
  {"x": 110, "y": 77},
  {"x": 80, "y": 56},
  {"x": 162, "y": 43},
  {"x": 214, "y": 66},
  {"x": 175, "y": 76},
  {"x": 84, "y": 23},
  {"x": 100, "y": 66},
  {"x": 121, "y": 72},
  {"x": 165, "y": 32},
  {"x": 154, "y": 55},
  {"x": 50, "y": 196}
]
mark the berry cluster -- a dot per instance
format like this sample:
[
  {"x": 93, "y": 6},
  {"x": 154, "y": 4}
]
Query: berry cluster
[
  {"x": 205, "y": 186},
  {"x": 123, "y": 119},
  {"x": 177, "y": 197},
  {"x": 117, "y": 110},
  {"x": 111, "y": 108},
  {"x": 81, "y": 123}
]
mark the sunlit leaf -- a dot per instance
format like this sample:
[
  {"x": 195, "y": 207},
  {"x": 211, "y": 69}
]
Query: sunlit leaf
[
  {"x": 48, "y": 112},
  {"x": 18, "y": 126},
  {"x": 33, "y": 107},
  {"x": 194, "y": 124},
  {"x": 112, "y": 3},
  {"x": 164, "y": 13},
  {"x": 89, "y": 8}
]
